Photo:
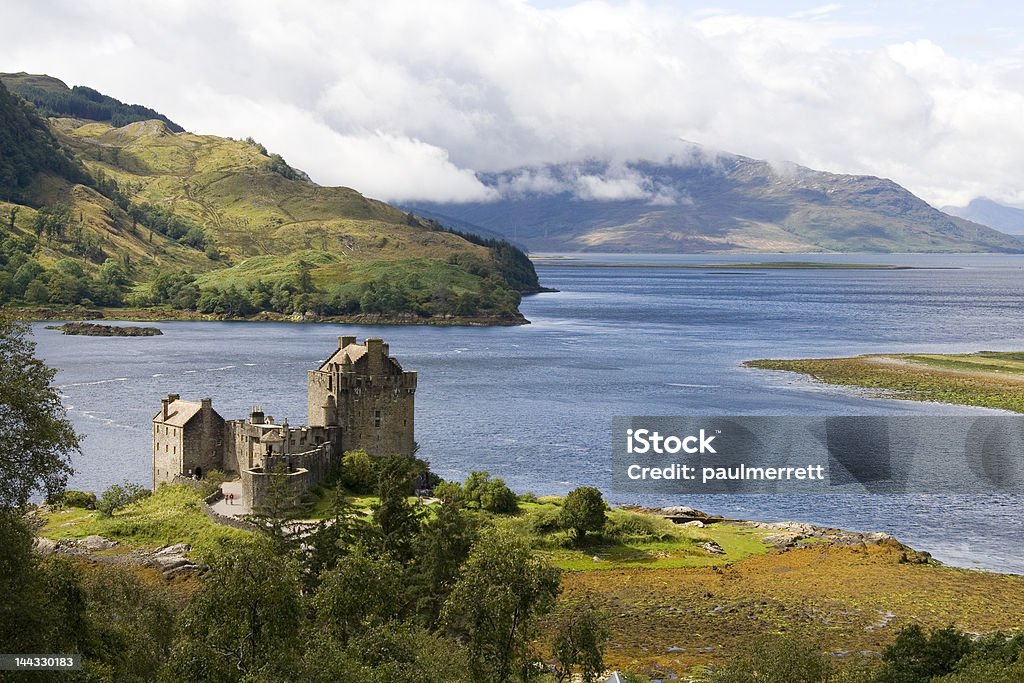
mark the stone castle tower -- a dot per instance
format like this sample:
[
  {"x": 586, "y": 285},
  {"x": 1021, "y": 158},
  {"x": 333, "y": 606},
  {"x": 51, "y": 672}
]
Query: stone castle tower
[{"x": 365, "y": 392}]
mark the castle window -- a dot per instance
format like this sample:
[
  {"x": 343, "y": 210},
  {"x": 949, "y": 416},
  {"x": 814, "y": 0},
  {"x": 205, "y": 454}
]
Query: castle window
[{"x": 376, "y": 419}]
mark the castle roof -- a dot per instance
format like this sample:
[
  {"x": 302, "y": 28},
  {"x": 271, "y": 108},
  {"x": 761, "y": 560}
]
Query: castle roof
[
  {"x": 179, "y": 413},
  {"x": 354, "y": 353}
]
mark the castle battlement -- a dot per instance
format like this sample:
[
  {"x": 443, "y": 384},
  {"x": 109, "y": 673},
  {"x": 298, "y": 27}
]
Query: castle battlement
[{"x": 359, "y": 398}]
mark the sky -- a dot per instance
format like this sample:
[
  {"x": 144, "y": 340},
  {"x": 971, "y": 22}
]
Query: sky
[{"x": 409, "y": 101}]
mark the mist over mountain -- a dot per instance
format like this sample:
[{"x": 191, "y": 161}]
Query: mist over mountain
[
  {"x": 1008, "y": 219},
  {"x": 708, "y": 201}
]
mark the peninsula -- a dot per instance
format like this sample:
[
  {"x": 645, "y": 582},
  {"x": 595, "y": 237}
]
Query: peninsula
[{"x": 987, "y": 379}]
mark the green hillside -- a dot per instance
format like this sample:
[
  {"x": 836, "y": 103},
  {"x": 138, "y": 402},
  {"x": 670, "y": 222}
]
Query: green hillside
[
  {"x": 52, "y": 97},
  {"x": 173, "y": 224}
]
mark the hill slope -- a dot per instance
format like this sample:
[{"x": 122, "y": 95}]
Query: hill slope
[
  {"x": 998, "y": 216},
  {"x": 185, "y": 222},
  {"x": 714, "y": 203},
  {"x": 52, "y": 97}
]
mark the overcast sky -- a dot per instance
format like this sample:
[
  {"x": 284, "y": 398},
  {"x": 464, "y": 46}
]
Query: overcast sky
[{"x": 407, "y": 100}]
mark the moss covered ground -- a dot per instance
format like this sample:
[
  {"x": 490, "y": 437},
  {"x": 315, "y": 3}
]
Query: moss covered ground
[{"x": 989, "y": 379}]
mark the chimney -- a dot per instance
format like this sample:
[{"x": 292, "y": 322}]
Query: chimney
[
  {"x": 206, "y": 404},
  {"x": 345, "y": 341},
  {"x": 164, "y": 402},
  {"x": 375, "y": 356}
]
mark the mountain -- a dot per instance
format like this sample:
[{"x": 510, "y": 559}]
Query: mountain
[
  {"x": 998, "y": 216},
  {"x": 712, "y": 202},
  {"x": 52, "y": 97},
  {"x": 142, "y": 216}
]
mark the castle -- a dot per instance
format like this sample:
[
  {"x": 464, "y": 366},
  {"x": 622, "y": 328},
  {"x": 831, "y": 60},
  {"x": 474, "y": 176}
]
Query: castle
[{"x": 359, "y": 398}]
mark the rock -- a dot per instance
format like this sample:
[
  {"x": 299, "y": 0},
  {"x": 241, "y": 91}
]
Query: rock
[
  {"x": 181, "y": 570},
  {"x": 682, "y": 511},
  {"x": 176, "y": 549},
  {"x": 96, "y": 543},
  {"x": 695, "y": 523},
  {"x": 44, "y": 546},
  {"x": 166, "y": 563},
  {"x": 713, "y": 548}
]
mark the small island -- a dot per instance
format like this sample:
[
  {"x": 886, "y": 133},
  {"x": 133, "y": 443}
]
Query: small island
[
  {"x": 98, "y": 330},
  {"x": 987, "y": 379}
]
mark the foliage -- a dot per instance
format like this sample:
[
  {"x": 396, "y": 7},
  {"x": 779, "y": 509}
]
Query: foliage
[
  {"x": 245, "y": 619},
  {"x": 29, "y": 149},
  {"x": 53, "y": 98},
  {"x": 917, "y": 656},
  {"x": 784, "y": 659},
  {"x": 502, "y": 590},
  {"x": 395, "y": 518},
  {"x": 76, "y": 499},
  {"x": 583, "y": 511},
  {"x": 119, "y": 496},
  {"x": 580, "y": 636},
  {"x": 38, "y": 440},
  {"x": 493, "y": 495},
  {"x": 358, "y": 471}
]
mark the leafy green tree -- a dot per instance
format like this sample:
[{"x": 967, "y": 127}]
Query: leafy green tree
[
  {"x": 580, "y": 636},
  {"x": 583, "y": 510},
  {"x": 118, "y": 496},
  {"x": 245, "y": 620},
  {"x": 358, "y": 471},
  {"x": 360, "y": 590},
  {"x": 396, "y": 519},
  {"x": 489, "y": 494},
  {"x": 916, "y": 656},
  {"x": 23, "y": 612},
  {"x": 443, "y": 544},
  {"x": 113, "y": 273},
  {"x": 788, "y": 659},
  {"x": 38, "y": 439},
  {"x": 387, "y": 653},
  {"x": 502, "y": 591}
]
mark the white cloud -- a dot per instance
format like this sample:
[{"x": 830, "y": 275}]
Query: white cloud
[{"x": 406, "y": 100}]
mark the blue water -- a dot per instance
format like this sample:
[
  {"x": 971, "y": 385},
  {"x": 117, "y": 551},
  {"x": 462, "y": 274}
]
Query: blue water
[{"x": 533, "y": 404}]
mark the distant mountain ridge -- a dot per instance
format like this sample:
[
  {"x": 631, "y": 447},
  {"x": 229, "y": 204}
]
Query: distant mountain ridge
[
  {"x": 998, "y": 216},
  {"x": 713, "y": 202}
]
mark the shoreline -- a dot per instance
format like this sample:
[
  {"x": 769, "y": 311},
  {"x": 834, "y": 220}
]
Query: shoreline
[
  {"x": 983, "y": 379},
  {"x": 53, "y": 314}
]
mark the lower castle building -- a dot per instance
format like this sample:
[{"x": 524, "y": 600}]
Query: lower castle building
[{"x": 359, "y": 398}]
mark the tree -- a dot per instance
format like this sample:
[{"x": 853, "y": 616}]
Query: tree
[
  {"x": 788, "y": 659},
  {"x": 244, "y": 621},
  {"x": 443, "y": 544},
  {"x": 583, "y": 510},
  {"x": 119, "y": 496},
  {"x": 360, "y": 590},
  {"x": 495, "y": 604},
  {"x": 489, "y": 494},
  {"x": 396, "y": 519},
  {"x": 915, "y": 656},
  {"x": 37, "y": 437},
  {"x": 579, "y": 642}
]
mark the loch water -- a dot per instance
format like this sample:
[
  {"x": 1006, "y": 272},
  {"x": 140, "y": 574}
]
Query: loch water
[{"x": 533, "y": 404}]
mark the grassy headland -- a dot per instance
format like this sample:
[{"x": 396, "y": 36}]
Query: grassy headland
[
  {"x": 989, "y": 379},
  {"x": 672, "y": 605}
]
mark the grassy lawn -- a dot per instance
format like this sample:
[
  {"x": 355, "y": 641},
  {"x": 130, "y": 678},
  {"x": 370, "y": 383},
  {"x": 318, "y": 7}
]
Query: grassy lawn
[
  {"x": 171, "y": 515},
  {"x": 987, "y": 379}
]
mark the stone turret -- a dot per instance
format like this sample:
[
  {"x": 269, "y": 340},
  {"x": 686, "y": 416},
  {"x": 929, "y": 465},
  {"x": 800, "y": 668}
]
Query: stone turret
[{"x": 365, "y": 392}]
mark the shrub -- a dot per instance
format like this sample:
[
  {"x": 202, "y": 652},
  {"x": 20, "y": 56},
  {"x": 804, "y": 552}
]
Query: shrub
[
  {"x": 358, "y": 472},
  {"x": 630, "y": 526},
  {"x": 492, "y": 495},
  {"x": 583, "y": 511},
  {"x": 211, "y": 482},
  {"x": 119, "y": 496},
  {"x": 788, "y": 659},
  {"x": 76, "y": 499}
]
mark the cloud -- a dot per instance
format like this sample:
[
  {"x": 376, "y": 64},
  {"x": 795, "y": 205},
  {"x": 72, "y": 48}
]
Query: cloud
[{"x": 408, "y": 101}]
